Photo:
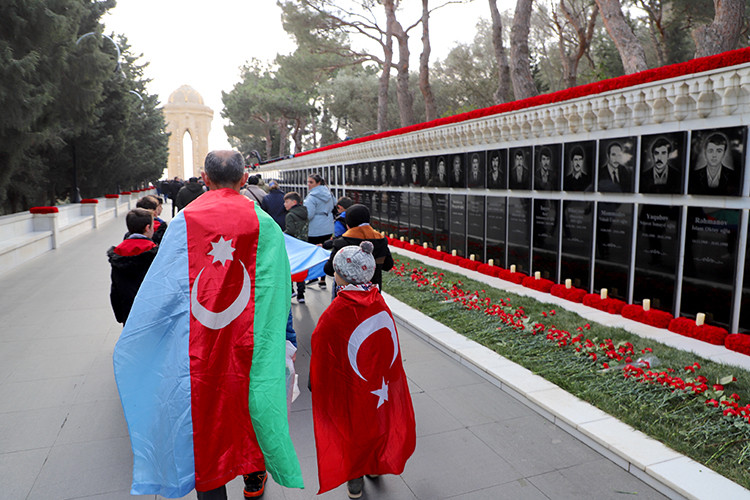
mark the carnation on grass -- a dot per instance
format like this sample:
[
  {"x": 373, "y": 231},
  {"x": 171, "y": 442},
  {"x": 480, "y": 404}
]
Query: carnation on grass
[{"x": 695, "y": 406}]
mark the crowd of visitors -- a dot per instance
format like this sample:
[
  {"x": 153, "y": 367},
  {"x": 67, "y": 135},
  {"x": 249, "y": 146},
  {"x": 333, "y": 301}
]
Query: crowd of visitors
[{"x": 213, "y": 256}]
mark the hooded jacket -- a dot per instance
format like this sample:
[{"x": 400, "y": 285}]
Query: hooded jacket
[
  {"x": 188, "y": 193},
  {"x": 319, "y": 203},
  {"x": 130, "y": 261},
  {"x": 355, "y": 236},
  {"x": 296, "y": 222}
]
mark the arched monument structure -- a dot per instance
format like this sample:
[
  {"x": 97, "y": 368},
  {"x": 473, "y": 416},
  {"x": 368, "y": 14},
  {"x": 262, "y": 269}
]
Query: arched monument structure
[{"x": 186, "y": 112}]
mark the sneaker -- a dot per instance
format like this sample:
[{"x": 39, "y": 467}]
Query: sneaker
[
  {"x": 255, "y": 484},
  {"x": 373, "y": 476},
  {"x": 354, "y": 487},
  {"x": 322, "y": 284},
  {"x": 300, "y": 299},
  {"x": 294, "y": 294}
]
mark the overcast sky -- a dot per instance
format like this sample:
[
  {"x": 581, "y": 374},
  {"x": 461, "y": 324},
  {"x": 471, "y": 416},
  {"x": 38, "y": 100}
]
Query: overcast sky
[{"x": 204, "y": 43}]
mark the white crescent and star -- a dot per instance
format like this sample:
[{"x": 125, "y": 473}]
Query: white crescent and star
[
  {"x": 360, "y": 334},
  {"x": 221, "y": 251}
]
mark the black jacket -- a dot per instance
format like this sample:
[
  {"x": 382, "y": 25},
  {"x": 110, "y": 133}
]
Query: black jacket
[
  {"x": 355, "y": 236},
  {"x": 128, "y": 272},
  {"x": 188, "y": 193}
]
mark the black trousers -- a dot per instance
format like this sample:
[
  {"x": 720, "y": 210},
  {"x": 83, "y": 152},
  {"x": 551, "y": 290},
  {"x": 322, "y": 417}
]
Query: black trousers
[{"x": 219, "y": 493}]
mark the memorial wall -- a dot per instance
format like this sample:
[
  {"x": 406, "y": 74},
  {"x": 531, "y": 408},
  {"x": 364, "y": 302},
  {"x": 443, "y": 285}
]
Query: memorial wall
[{"x": 641, "y": 189}]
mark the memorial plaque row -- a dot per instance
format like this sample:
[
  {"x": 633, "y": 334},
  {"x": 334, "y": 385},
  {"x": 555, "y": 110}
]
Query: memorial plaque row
[
  {"x": 715, "y": 166},
  {"x": 557, "y": 238}
]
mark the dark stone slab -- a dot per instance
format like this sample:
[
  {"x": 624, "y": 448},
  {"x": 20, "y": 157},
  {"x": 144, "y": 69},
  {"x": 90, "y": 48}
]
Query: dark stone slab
[{"x": 614, "y": 228}]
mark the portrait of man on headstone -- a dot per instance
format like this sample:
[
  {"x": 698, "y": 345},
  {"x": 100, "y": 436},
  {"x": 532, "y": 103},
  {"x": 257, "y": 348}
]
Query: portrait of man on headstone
[
  {"x": 441, "y": 175},
  {"x": 458, "y": 174},
  {"x": 662, "y": 163},
  {"x": 476, "y": 169},
  {"x": 578, "y": 157},
  {"x": 383, "y": 174},
  {"x": 616, "y": 159},
  {"x": 547, "y": 167},
  {"x": 366, "y": 177},
  {"x": 496, "y": 169},
  {"x": 427, "y": 171},
  {"x": 519, "y": 173},
  {"x": 716, "y": 161},
  {"x": 403, "y": 180},
  {"x": 392, "y": 174},
  {"x": 414, "y": 172},
  {"x": 358, "y": 181}
]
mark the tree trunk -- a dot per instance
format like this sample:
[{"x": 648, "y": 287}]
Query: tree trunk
[
  {"x": 520, "y": 61},
  {"x": 405, "y": 99},
  {"x": 630, "y": 49},
  {"x": 724, "y": 32},
  {"x": 283, "y": 135},
  {"x": 269, "y": 138},
  {"x": 385, "y": 78},
  {"x": 571, "y": 59},
  {"x": 297, "y": 134},
  {"x": 503, "y": 92},
  {"x": 430, "y": 110}
]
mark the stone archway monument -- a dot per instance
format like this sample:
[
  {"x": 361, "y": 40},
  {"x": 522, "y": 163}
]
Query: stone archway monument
[{"x": 186, "y": 112}]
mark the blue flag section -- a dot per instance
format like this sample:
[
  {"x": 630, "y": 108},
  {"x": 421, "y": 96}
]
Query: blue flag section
[{"x": 306, "y": 260}]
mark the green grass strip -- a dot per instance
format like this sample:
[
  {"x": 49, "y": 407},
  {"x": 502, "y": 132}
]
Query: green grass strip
[{"x": 679, "y": 419}]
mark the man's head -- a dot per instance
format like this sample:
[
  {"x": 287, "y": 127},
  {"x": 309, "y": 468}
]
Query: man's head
[
  {"x": 354, "y": 264},
  {"x": 427, "y": 169},
  {"x": 140, "y": 221},
  {"x": 273, "y": 185},
  {"x": 576, "y": 159},
  {"x": 147, "y": 202},
  {"x": 495, "y": 164},
  {"x": 614, "y": 154},
  {"x": 545, "y": 159},
  {"x": 253, "y": 180},
  {"x": 402, "y": 169},
  {"x": 291, "y": 200},
  {"x": 660, "y": 150},
  {"x": 224, "y": 169},
  {"x": 441, "y": 167},
  {"x": 518, "y": 159},
  {"x": 474, "y": 165},
  {"x": 715, "y": 149},
  {"x": 414, "y": 171},
  {"x": 457, "y": 165}
]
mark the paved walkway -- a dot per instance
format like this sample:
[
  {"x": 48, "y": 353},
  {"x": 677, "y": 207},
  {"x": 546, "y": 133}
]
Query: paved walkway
[{"x": 63, "y": 435}]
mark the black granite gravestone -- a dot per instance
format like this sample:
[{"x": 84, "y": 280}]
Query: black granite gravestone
[
  {"x": 458, "y": 224},
  {"x": 614, "y": 223},
  {"x": 519, "y": 233},
  {"x": 496, "y": 230},
  {"x": 577, "y": 237},
  {"x": 475, "y": 227},
  {"x": 710, "y": 263},
  {"x": 546, "y": 240}
]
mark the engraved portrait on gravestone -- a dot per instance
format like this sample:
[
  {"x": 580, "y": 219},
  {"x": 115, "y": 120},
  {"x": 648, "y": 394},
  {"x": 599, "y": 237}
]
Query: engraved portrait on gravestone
[
  {"x": 519, "y": 173},
  {"x": 717, "y": 158},
  {"x": 617, "y": 163},
  {"x": 547, "y": 167},
  {"x": 496, "y": 171},
  {"x": 578, "y": 174},
  {"x": 476, "y": 169},
  {"x": 414, "y": 172},
  {"x": 662, "y": 163},
  {"x": 366, "y": 176},
  {"x": 383, "y": 174},
  {"x": 392, "y": 174},
  {"x": 458, "y": 174},
  {"x": 427, "y": 171},
  {"x": 403, "y": 180},
  {"x": 441, "y": 175}
]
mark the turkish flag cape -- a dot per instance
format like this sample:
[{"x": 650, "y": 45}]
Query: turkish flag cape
[{"x": 362, "y": 411}]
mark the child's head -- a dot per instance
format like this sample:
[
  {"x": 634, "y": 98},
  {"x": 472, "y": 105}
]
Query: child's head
[
  {"x": 158, "y": 201},
  {"x": 140, "y": 221},
  {"x": 354, "y": 265},
  {"x": 357, "y": 215},
  {"x": 291, "y": 200},
  {"x": 344, "y": 203},
  {"x": 148, "y": 202}
]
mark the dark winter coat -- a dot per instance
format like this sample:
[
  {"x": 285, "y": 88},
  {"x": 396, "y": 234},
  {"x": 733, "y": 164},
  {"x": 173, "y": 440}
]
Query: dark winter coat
[
  {"x": 130, "y": 261},
  {"x": 381, "y": 252},
  {"x": 297, "y": 223},
  {"x": 188, "y": 193},
  {"x": 273, "y": 204}
]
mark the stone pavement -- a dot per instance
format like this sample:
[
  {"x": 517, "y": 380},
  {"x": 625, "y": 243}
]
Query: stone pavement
[{"x": 63, "y": 435}]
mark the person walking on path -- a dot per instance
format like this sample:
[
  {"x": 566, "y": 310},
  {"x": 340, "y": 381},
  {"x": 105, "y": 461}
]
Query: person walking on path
[
  {"x": 363, "y": 416},
  {"x": 359, "y": 230},
  {"x": 319, "y": 202},
  {"x": 130, "y": 260},
  {"x": 188, "y": 193},
  {"x": 296, "y": 225},
  {"x": 200, "y": 364},
  {"x": 252, "y": 191},
  {"x": 273, "y": 204}
]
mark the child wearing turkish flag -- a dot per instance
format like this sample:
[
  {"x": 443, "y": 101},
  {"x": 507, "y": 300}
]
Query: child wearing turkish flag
[{"x": 362, "y": 411}]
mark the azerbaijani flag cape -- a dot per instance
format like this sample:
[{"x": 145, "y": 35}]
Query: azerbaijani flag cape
[
  {"x": 200, "y": 364},
  {"x": 305, "y": 259},
  {"x": 362, "y": 411}
]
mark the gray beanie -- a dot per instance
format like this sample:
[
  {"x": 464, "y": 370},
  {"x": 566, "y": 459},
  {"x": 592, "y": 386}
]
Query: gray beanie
[{"x": 355, "y": 263}]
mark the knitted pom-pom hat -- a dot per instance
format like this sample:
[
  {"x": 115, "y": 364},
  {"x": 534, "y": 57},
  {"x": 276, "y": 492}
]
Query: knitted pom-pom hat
[{"x": 355, "y": 263}]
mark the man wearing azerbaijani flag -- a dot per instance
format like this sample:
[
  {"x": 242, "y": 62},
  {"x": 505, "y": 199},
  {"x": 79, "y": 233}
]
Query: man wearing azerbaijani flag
[{"x": 200, "y": 364}]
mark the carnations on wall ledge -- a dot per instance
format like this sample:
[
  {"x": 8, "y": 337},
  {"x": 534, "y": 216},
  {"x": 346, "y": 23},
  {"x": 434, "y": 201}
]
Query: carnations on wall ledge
[
  {"x": 707, "y": 333},
  {"x": 572, "y": 294},
  {"x": 653, "y": 317}
]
